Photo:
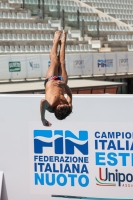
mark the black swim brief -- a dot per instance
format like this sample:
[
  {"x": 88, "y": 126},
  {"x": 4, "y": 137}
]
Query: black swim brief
[{"x": 53, "y": 78}]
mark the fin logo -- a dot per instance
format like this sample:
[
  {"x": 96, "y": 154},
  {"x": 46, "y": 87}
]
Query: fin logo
[{"x": 62, "y": 142}]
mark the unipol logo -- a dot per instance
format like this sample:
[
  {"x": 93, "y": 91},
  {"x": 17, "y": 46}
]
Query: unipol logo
[
  {"x": 62, "y": 142},
  {"x": 61, "y": 158}
]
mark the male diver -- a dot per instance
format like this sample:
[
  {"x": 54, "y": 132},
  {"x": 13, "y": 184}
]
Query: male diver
[{"x": 56, "y": 83}]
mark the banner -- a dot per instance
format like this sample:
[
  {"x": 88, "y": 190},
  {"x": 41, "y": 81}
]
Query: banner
[
  {"x": 81, "y": 159},
  {"x": 30, "y": 66},
  {"x": 130, "y": 62},
  {"x": 45, "y": 63},
  {"x": 63, "y": 167},
  {"x": 33, "y": 66},
  {"x": 104, "y": 63},
  {"x": 79, "y": 64},
  {"x": 122, "y": 62},
  {"x": 4, "y": 67},
  {"x": 89, "y": 154},
  {"x": 88, "y": 63}
]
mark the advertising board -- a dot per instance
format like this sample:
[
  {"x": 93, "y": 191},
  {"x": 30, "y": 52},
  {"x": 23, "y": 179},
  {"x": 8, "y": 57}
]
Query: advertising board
[
  {"x": 122, "y": 62},
  {"x": 17, "y": 66},
  {"x": 33, "y": 66},
  {"x": 14, "y": 66},
  {"x": 79, "y": 64},
  {"x": 28, "y": 66}
]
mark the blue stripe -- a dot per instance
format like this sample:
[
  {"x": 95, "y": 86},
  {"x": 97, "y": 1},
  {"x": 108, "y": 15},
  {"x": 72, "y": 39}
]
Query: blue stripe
[{"x": 89, "y": 198}]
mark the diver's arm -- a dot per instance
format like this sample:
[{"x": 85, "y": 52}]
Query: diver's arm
[
  {"x": 42, "y": 109},
  {"x": 69, "y": 95},
  {"x": 43, "y": 106}
]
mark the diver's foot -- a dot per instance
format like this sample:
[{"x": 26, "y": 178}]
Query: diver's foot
[{"x": 57, "y": 36}]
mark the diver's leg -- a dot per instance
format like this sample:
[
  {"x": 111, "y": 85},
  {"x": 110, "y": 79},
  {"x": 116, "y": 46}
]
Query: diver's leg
[
  {"x": 62, "y": 68},
  {"x": 53, "y": 69},
  {"x": 59, "y": 69}
]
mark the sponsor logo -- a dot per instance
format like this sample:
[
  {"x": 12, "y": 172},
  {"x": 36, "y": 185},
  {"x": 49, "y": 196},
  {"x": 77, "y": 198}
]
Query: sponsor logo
[
  {"x": 107, "y": 178},
  {"x": 71, "y": 141},
  {"x": 114, "y": 149},
  {"x": 14, "y": 66},
  {"x": 123, "y": 62},
  {"x": 106, "y": 145},
  {"x": 34, "y": 65},
  {"x": 55, "y": 162},
  {"x": 78, "y": 64},
  {"x": 49, "y": 62},
  {"x": 105, "y": 63}
]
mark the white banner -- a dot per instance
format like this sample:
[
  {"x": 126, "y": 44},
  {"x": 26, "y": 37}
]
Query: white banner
[
  {"x": 33, "y": 66},
  {"x": 122, "y": 62},
  {"x": 84, "y": 155},
  {"x": 88, "y": 63},
  {"x": 36, "y": 65},
  {"x": 4, "y": 67},
  {"x": 81, "y": 159},
  {"x": 79, "y": 64},
  {"x": 45, "y": 62},
  {"x": 130, "y": 62}
]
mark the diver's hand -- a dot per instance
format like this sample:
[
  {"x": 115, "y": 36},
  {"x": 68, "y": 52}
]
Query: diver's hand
[
  {"x": 59, "y": 83},
  {"x": 46, "y": 123}
]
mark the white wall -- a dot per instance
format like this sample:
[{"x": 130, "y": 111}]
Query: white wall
[{"x": 19, "y": 117}]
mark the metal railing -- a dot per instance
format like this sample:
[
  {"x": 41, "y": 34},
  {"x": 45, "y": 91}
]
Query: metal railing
[{"x": 42, "y": 10}]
